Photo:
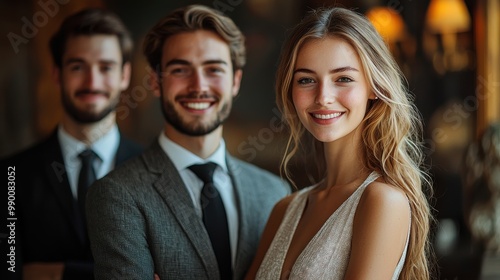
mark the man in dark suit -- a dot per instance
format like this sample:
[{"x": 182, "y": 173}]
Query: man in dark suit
[
  {"x": 91, "y": 53},
  {"x": 185, "y": 209}
]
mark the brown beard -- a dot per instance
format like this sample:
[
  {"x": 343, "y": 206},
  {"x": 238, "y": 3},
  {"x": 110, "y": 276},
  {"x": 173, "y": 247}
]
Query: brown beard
[
  {"x": 87, "y": 116},
  {"x": 173, "y": 118}
]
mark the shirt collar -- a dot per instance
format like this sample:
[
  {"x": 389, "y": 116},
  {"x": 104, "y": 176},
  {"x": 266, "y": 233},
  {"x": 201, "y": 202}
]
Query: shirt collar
[
  {"x": 105, "y": 147},
  {"x": 183, "y": 158}
]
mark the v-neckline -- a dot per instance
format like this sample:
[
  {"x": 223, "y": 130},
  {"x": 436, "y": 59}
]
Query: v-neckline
[{"x": 302, "y": 205}]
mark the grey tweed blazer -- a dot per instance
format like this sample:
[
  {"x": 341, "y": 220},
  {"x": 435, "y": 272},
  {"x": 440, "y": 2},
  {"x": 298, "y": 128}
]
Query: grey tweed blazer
[{"x": 142, "y": 221}]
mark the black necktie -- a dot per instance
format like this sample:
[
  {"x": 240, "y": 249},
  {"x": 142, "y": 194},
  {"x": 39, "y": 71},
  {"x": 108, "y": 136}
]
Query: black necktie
[
  {"x": 85, "y": 178},
  {"x": 214, "y": 218}
]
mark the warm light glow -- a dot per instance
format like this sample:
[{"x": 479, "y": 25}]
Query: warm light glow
[
  {"x": 448, "y": 16},
  {"x": 388, "y": 23}
]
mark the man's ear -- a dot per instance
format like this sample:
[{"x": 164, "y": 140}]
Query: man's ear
[
  {"x": 126, "y": 73},
  {"x": 238, "y": 74},
  {"x": 154, "y": 82}
]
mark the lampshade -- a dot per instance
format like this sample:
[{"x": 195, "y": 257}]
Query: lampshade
[
  {"x": 388, "y": 23},
  {"x": 447, "y": 16}
]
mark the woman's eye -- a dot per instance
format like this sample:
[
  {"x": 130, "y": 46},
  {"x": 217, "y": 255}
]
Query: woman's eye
[
  {"x": 344, "y": 80},
  {"x": 305, "y": 81}
]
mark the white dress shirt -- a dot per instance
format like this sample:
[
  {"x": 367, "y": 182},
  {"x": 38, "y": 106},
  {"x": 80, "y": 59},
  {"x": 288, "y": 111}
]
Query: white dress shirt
[
  {"x": 105, "y": 148},
  {"x": 183, "y": 158}
]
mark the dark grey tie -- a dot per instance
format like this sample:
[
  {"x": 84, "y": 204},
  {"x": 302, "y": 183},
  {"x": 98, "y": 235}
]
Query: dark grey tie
[
  {"x": 214, "y": 218},
  {"x": 85, "y": 178}
]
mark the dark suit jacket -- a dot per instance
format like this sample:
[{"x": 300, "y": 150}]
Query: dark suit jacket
[
  {"x": 46, "y": 221},
  {"x": 142, "y": 220}
]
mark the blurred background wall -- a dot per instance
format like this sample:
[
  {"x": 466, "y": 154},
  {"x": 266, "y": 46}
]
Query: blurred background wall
[{"x": 448, "y": 50}]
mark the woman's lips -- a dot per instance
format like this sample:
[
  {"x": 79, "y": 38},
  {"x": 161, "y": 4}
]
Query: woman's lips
[{"x": 325, "y": 116}]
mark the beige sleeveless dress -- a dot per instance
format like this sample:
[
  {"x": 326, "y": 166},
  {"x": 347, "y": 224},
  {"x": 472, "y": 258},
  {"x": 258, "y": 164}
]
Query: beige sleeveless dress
[{"x": 327, "y": 254}]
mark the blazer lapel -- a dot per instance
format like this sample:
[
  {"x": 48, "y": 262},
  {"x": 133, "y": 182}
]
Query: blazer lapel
[
  {"x": 245, "y": 200},
  {"x": 58, "y": 179},
  {"x": 173, "y": 191}
]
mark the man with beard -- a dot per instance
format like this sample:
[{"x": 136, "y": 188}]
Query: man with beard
[
  {"x": 185, "y": 209},
  {"x": 91, "y": 53}
]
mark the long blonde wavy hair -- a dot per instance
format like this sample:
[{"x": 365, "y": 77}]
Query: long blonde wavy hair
[{"x": 392, "y": 127}]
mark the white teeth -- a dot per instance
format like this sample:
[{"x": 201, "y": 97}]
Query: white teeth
[
  {"x": 325, "y": 117},
  {"x": 198, "y": 105}
]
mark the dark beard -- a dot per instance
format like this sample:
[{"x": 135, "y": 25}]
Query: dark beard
[
  {"x": 174, "y": 119},
  {"x": 86, "y": 117}
]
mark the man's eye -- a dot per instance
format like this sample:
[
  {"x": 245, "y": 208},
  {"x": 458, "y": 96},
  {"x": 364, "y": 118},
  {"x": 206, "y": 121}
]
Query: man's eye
[
  {"x": 179, "y": 71},
  {"x": 215, "y": 70},
  {"x": 76, "y": 67},
  {"x": 106, "y": 68}
]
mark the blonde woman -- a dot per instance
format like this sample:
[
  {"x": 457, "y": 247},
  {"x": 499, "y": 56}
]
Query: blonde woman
[{"x": 368, "y": 218}]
